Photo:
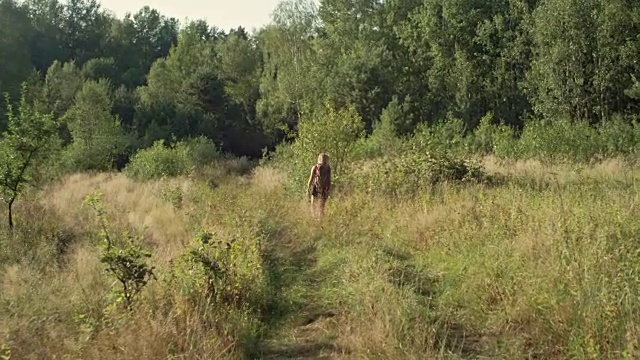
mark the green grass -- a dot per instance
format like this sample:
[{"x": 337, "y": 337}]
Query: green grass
[{"x": 543, "y": 265}]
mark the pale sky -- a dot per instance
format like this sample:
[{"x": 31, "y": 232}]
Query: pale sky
[{"x": 225, "y": 14}]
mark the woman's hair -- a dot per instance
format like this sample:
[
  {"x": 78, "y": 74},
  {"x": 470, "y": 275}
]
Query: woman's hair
[{"x": 323, "y": 158}]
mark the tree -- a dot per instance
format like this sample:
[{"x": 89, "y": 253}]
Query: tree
[
  {"x": 240, "y": 61},
  {"x": 97, "y": 135},
  {"x": 288, "y": 85},
  {"x": 167, "y": 105},
  {"x": 332, "y": 131},
  {"x": 61, "y": 84},
  {"x": 25, "y": 145},
  {"x": 356, "y": 63},
  {"x": 138, "y": 40},
  {"x": 99, "y": 68},
  {"x": 47, "y": 17},
  {"x": 584, "y": 58},
  {"x": 85, "y": 30},
  {"x": 15, "y": 34}
]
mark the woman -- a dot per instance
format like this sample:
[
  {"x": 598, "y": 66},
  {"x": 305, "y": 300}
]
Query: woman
[{"x": 319, "y": 184}]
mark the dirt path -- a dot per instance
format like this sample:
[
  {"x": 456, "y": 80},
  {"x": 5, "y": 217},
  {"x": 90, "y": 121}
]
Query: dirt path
[{"x": 298, "y": 326}]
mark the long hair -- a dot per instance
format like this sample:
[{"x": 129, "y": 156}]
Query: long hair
[{"x": 323, "y": 158}]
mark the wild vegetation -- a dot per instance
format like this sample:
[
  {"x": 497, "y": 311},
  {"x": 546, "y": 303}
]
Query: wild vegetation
[{"x": 485, "y": 169}]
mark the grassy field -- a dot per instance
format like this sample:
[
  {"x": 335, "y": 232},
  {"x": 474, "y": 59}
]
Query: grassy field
[{"x": 544, "y": 265}]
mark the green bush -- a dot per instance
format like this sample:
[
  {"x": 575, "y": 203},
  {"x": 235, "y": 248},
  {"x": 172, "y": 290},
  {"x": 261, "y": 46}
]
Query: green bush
[
  {"x": 386, "y": 138},
  {"x": 567, "y": 140},
  {"x": 335, "y": 132},
  {"x": 447, "y": 135},
  {"x": 618, "y": 136},
  {"x": 203, "y": 151},
  {"x": 166, "y": 161},
  {"x": 559, "y": 140},
  {"x": 123, "y": 256},
  {"x": 481, "y": 141},
  {"x": 227, "y": 272},
  {"x": 159, "y": 161},
  {"x": 415, "y": 171}
]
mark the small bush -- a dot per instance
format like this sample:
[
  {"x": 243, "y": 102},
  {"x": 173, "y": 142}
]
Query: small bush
[
  {"x": 203, "y": 151},
  {"x": 482, "y": 140},
  {"x": 618, "y": 136},
  {"x": 159, "y": 161},
  {"x": 560, "y": 139},
  {"x": 181, "y": 158},
  {"x": 225, "y": 271},
  {"x": 416, "y": 170},
  {"x": 447, "y": 136},
  {"x": 332, "y": 131},
  {"x": 566, "y": 140},
  {"x": 237, "y": 166},
  {"x": 123, "y": 256},
  {"x": 395, "y": 122},
  {"x": 172, "y": 194}
]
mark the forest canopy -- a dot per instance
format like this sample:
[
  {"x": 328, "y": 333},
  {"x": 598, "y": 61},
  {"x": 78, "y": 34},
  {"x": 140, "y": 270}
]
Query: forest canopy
[{"x": 147, "y": 77}]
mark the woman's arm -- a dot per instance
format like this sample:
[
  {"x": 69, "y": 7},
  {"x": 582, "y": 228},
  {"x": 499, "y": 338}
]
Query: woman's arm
[{"x": 310, "y": 180}]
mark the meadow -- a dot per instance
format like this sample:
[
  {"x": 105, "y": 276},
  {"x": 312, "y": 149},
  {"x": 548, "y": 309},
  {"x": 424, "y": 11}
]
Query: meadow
[
  {"x": 538, "y": 259},
  {"x": 485, "y": 169}
]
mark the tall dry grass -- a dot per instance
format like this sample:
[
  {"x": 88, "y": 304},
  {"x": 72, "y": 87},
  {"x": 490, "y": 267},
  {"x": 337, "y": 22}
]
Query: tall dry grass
[{"x": 543, "y": 265}]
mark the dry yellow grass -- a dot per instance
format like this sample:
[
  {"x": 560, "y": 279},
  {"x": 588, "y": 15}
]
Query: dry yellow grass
[
  {"x": 129, "y": 204},
  {"x": 268, "y": 178},
  {"x": 539, "y": 268}
]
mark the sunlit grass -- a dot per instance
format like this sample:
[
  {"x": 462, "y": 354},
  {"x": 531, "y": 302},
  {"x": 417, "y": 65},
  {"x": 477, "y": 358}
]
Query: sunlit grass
[{"x": 544, "y": 265}]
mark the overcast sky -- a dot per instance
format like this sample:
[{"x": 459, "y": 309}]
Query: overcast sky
[{"x": 225, "y": 14}]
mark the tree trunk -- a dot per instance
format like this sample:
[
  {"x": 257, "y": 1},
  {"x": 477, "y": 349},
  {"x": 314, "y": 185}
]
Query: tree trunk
[{"x": 10, "y": 215}]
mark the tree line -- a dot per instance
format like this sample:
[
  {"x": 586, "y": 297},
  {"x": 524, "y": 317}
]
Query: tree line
[{"x": 117, "y": 85}]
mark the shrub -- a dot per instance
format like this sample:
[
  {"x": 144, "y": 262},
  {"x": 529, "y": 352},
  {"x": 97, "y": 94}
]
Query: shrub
[
  {"x": 416, "y": 170},
  {"x": 559, "y": 140},
  {"x": 335, "y": 132},
  {"x": 181, "y": 158},
  {"x": 618, "y": 136},
  {"x": 227, "y": 272},
  {"x": 481, "y": 141},
  {"x": 122, "y": 255},
  {"x": 203, "y": 150},
  {"x": 159, "y": 161},
  {"x": 386, "y": 138},
  {"x": 444, "y": 136}
]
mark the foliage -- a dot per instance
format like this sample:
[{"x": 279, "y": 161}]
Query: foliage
[
  {"x": 172, "y": 194},
  {"x": 220, "y": 270},
  {"x": 443, "y": 136},
  {"x": 27, "y": 143},
  {"x": 415, "y": 171},
  {"x": 123, "y": 256},
  {"x": 332, "y": 131},
  {"x": 159, "y": 161},
  {"x": 166, "y": 161},
  {"x": 481, "y": 140},
  {"x": 421, "y": 62},
  {"x": 566, "y": 140},
  {"x": 203, "y": 150},
  {"x": 388, "y": 133},
  {"x": 97, "y": 137}
]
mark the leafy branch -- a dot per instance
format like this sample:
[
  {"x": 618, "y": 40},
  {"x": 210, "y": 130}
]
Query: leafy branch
[{"x": 123, "y": 256}]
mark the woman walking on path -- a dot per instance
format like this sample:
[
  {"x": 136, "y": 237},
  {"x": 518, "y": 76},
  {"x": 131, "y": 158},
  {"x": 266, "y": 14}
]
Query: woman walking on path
[{"x": 319, "y": 184}]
